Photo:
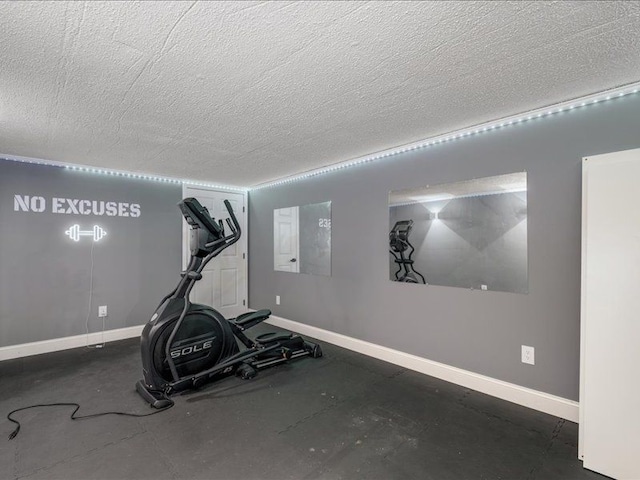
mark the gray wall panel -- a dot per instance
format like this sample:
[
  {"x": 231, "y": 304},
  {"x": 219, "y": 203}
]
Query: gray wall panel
[
  {"x": 478, "y": 331},
  {"x": 45, "y": 276}
]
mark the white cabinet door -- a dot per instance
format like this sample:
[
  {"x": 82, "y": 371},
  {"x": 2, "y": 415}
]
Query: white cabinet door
[{"x": 610, "y": 344}]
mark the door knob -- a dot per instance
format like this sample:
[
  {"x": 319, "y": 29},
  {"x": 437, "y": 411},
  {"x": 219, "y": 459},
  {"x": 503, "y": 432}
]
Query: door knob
[{"x": 293, "y": 260}]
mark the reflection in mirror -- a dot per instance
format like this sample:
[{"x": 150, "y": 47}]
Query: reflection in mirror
[
  {"x": 302, "y": 239},
  {"x": 469, "y": 234},
  {"x": 398, "y": 245}
]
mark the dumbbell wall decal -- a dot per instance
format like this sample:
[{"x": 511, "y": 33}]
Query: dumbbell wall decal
[{"x": 74, "y": 233}]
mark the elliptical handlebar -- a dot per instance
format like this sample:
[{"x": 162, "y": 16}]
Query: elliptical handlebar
[
  {"x": 234, "y": 226},
  {"x": 226, "y": 241},
  {"x": 213, "y": 239}
]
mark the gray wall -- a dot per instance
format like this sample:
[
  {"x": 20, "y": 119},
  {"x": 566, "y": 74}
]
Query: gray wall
[
  {"x": 474, "y": 330},
  {"x": 45, "y": 276},
  {"x": 475, "y": 241}
]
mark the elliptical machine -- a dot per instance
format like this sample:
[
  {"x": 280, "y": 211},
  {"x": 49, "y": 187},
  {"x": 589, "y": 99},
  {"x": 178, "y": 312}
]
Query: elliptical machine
[
  {"x": 185, "y": 345},
  {"x": 398, "y": 244}
]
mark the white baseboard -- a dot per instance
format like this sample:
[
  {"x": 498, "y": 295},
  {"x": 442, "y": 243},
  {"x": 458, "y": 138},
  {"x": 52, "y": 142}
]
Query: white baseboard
[
  {"x": 64, "y": 343},
  {"x": 544, "y": 402}
]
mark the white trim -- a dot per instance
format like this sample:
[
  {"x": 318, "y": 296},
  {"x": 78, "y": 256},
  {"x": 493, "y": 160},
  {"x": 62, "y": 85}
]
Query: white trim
[
  {"x": 544, "y": 402},
  {"x": 65, "y": 343},
  {"x": 583, "y": 283}
]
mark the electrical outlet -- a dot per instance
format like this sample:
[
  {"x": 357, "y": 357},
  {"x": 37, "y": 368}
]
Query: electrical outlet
[
  {"x": 483, "y": 287},
  {"x": 102, "y": 311},
  {"x": 528, "y": 355},
  {"x": 277, "y": 299}
]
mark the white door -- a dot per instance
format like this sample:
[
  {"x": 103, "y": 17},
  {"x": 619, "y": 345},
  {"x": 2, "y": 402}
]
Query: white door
[
  {"x": 224, "y": 279},
  {"x": 610, "y": 351},
  {"x": 286, "y": 240}
]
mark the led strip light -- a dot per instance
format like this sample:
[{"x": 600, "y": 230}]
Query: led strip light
[
  {"x": 505, "y": 122},
  {"x": 581, "y": 102},
  {"x": 120, "y": 173}
]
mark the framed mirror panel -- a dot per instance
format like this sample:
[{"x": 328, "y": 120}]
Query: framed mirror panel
[{"x": 469, "y": 234}]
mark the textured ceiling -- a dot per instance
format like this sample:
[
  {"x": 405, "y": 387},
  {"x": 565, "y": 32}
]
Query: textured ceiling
[{"x": 245, "y": 92}]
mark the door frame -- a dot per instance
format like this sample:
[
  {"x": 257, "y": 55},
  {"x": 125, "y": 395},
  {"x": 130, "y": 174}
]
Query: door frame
[{"x": 244, "y": 238}]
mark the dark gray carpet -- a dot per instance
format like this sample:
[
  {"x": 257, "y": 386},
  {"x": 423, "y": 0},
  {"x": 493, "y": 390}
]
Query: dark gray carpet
[{"x": 344, "y": 416}]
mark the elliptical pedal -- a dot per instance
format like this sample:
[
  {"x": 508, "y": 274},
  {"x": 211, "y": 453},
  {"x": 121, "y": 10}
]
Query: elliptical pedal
[{"x": 272, "y": 337}]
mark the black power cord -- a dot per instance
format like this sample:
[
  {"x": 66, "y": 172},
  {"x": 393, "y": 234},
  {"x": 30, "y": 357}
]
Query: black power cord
[{"x": 73, "y": 414}]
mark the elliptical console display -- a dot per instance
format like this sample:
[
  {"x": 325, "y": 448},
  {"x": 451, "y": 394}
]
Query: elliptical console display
[{"x": 185, "y": 345}]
